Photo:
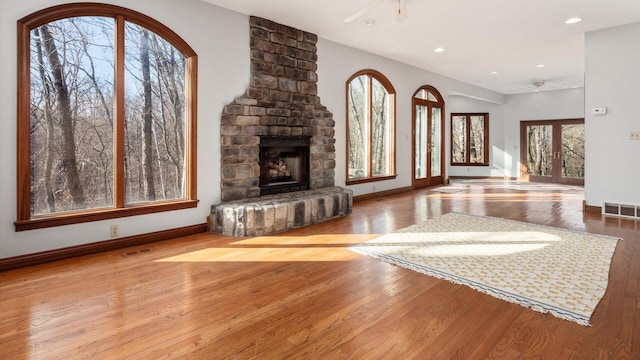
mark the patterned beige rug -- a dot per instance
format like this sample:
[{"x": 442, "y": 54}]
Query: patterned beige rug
[
  {"x": 450, "y": 189},
  {"x": 550, "y": 270}
]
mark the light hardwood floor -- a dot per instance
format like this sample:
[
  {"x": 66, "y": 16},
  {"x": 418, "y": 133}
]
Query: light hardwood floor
[{"x": 304, "y": 295}]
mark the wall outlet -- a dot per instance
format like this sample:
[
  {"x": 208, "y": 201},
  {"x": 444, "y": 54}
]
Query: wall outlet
[
  {"x": 599, "y": 111},
  {"x": 634, "y": 135},
  {"x": 115, "y": 230}
]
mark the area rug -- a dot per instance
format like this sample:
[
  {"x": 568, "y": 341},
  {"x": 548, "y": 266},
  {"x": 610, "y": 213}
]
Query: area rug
[
  {"x": 449, "y": 189},
  {"x": 551, "y": 270}
]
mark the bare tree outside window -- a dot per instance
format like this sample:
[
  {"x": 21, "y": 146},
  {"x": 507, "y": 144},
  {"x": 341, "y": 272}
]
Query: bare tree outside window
[
  {"x": 380, "y": 143},
  {"x": 476, "y": 139},
  {"x": 470, "y": 139},
  {"x": 573, "y": 150},
  {"x": 458, "y": 139},
  {"x": 358, "y": 127},
  {"x": 108, "y": 116},
  {"x": 71, "y": 115},
  {"x": 554, "y": 149},
  {"x": 539, "y": 150},
  {"x": 370, "y": 101},
  {"x": 154, "y": 143}
]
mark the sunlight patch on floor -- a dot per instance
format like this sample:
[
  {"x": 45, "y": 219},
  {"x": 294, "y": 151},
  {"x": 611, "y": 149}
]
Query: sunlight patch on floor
[
  {"x": 324, "y": 247},
  {"x": 265, "y": 254},
  {"x": 321, "y": 239}
]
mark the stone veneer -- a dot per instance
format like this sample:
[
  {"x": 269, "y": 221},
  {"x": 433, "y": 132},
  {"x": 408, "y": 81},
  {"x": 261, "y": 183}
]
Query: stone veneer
[
  {"x": 275, "y": 213},
  {"x": 282, "y": 99}
]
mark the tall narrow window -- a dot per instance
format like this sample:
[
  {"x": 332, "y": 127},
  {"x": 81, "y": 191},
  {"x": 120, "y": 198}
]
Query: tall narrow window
[
  {"x": 106, "y": 116},
  {"x": 469, "y": 139},
  {"x": 370, "y": 128}
]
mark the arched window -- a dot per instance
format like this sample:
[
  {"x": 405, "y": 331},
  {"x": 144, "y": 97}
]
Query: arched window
[
  {"x": 106, "y": 116},
  {"x": 370, "y": 127}
]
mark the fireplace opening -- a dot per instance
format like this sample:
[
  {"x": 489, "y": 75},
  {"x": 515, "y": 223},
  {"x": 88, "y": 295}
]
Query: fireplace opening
[{"x": 284, "y": 164}]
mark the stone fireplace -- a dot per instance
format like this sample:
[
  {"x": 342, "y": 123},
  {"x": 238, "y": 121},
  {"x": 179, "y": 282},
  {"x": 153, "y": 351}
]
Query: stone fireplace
[
  {"x": 277, "y": 140},
  {"x": 282, "y": 100}
]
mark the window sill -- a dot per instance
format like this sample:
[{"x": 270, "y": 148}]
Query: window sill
[
  {"x": 370, "y": 179},
  {"x": 470, "y": 164},
  {"x": 101, "y": 214}
]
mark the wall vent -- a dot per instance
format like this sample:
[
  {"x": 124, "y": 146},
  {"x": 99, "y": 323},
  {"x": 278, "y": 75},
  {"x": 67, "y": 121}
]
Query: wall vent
[
  {"x": 135, "y": 252},
  {"x": 621, "y": 210}
]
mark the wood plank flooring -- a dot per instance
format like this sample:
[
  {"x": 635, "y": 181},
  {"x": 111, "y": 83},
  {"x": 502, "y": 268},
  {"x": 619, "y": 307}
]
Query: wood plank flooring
[{"x": 303, "y": 295}]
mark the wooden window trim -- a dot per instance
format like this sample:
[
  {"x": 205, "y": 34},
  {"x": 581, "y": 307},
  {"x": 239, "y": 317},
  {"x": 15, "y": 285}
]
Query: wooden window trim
[
  {"x": 468, "y": 139},
  {"x": 371, "y": 179},
  {"x": 373, "y": 74},
  {"x": 120, "y": 14}
]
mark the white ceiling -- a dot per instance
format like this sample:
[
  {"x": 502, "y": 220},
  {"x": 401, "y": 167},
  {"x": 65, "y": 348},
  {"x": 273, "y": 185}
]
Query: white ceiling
[{"x": 510, "y": 37}]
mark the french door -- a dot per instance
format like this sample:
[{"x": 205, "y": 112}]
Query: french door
[
  {"x": 428, "y": 137},
  {"x": 552, "y": 151}
]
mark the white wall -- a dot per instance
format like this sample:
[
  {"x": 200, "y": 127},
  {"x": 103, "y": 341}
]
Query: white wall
[
  {"x": 221, "y": 40},
  {"x": 463, "y": 104},
  {"x": 544, "y": 105},
  {"x": 612, "y": 80}
]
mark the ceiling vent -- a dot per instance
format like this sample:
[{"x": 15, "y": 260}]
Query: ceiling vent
[{"x": 621, "y": 210}]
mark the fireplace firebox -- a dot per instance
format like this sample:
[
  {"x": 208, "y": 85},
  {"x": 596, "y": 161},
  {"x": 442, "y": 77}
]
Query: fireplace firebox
[{"x": 284, "y": 164}]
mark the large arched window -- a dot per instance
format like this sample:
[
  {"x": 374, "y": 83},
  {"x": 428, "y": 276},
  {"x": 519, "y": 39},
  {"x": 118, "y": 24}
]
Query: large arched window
[
  {"x": 106, "y": 116},
  {"x": 370, "y": 127}
]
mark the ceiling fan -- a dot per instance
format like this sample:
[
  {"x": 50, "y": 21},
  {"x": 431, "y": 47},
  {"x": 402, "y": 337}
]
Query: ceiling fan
[
  {"x": 545, "y": 84},
  {"x": 534, "y": 85},
  {"x": 537, "y": 84},
  {"x": 400, "y": 10}
]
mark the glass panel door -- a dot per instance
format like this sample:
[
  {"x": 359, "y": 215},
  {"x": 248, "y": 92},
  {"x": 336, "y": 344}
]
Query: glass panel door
[
  {"x": 553, "y": 151},
  {"x": 421, "y": 142},
  {"x": 428, "y": 123},
  {"x": 539, "y": 151},
  {"x": 572, "y": 151},
  {"x": 436, "y": 146}
]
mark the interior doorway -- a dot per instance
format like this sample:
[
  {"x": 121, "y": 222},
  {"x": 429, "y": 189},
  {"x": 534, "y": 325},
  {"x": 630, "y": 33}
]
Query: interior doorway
[
  {"x": 428, "y": 137},
  {"x": 552, "y": 151}
]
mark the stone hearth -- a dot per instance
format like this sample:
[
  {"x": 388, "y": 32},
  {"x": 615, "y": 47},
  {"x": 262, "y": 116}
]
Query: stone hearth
[
  {"x": 282, "y": 100},
  {"x": 275, "y": 213}
]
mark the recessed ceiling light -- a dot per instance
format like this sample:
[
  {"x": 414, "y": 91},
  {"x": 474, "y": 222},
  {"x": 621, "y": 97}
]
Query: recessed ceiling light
[
  {"x": 540, "y": 66},
  {"x": 494, "y": 72},
  {"x": 573, "y": 20},
  {"x": 438, "y": 50}
]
